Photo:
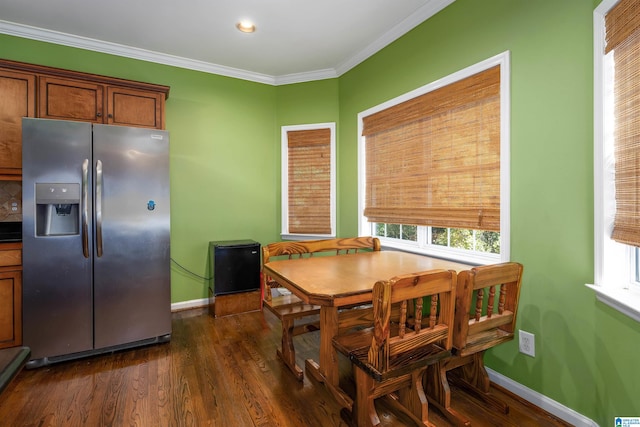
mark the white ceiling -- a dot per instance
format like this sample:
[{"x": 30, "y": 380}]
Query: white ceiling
[{"x": 295, "y": 40}]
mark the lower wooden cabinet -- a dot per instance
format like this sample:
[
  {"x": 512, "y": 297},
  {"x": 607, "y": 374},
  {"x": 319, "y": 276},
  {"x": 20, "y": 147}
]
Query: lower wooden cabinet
[
  {"x": 10, "y": 294},
  {"x": 10, "y": 309}
]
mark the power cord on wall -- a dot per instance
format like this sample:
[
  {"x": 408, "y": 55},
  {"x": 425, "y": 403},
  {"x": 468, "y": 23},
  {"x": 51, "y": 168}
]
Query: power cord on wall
[{"x": 183, "y": 268}]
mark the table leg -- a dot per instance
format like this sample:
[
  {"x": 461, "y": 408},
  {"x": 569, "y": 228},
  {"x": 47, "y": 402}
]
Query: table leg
[
  {"x": 327, "y": 370},
  {"x": 328, "y": 356}
]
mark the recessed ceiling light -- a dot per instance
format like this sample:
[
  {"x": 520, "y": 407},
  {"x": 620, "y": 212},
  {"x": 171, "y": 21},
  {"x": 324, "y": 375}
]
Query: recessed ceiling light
[{"x": 246, "y": 26}]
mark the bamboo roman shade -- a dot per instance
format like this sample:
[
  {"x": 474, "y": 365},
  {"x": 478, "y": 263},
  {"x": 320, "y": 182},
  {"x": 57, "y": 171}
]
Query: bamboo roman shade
[
  {"x": 309, "y": 153},
  {"x": 435, "y": 159},
  {"x": 623, "y": 38}
]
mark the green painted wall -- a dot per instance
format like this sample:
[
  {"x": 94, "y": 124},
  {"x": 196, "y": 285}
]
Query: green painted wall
[
  {"x": 584, "y": 350},
  {"x": 306, "y": 103},
  {"x": 225, "y": 163},
  {"x": 224, "y": 144}
]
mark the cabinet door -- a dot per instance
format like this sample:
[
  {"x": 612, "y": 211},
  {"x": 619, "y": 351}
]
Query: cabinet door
[
  {"x": 10, "y": 309},
  {"x": 130, "y": 107},
  {"x": 70, "y": 100},
  {"x": 17, "y": 100}
]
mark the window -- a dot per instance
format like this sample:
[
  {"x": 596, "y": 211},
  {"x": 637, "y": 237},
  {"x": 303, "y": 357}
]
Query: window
[
  {"x": 616, "y": 209},
  {"x": 309, "y": 181},
  {"x": 434, "y": 166}
]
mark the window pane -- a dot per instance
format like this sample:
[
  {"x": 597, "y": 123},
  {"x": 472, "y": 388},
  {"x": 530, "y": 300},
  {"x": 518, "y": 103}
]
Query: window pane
[
  {"x": 393, "y": 231},
  {"x": 488, "y": 241},
  {"x": 439, "y": 236},
  {"x": 380, "y": 229},
  {"x": 461, "y": 238},
  {"x": 410, "y": 232}
]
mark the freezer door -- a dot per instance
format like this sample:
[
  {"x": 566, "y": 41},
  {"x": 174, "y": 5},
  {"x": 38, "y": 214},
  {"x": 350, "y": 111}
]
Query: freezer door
[
  {"x": 132, "y": 290},
  {"x": 57, "y": 276}
]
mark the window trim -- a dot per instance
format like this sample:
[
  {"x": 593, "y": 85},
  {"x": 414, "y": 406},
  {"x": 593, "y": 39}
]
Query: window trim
[
  {"x": 503, "y": 60},
  {"x": 285, "y": 235},
  {"x": 613, "y": 262}
]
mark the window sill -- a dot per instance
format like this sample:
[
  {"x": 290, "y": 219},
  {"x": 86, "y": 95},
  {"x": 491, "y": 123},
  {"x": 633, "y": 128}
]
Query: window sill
[
  {"x": 467, "y": 257},
  {"x": 625, "y": 301}
]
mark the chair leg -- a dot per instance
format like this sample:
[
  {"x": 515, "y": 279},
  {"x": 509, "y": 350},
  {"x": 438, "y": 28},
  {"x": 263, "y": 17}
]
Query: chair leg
[
  {"x": 288, "y": 353},
  {"x": 364, "y": 410},
  {"x": 474, "y": 378},
  {"x": 413, "y": 398},
  {"x": 439, "y": 393}
]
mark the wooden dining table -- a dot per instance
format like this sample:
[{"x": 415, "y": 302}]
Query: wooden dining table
[{"x": 335, "y": 282}]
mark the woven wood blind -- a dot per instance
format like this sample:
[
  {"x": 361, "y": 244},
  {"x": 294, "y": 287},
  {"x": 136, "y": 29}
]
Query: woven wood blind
[
  {"x": 623, "y": 37},
  {"x": 435, "y": 159},
  {"x": 309, "y": 181},
  {"x": 621, "y": 22}
]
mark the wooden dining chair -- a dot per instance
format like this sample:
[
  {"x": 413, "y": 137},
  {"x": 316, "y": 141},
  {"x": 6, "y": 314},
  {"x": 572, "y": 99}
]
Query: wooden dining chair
[
  {"x": 486, "y": 308},
  {"x": 391, "y": 356},
  {"x": 287, "y": 307}
]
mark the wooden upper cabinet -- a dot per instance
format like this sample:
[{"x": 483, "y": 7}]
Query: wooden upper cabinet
[
  {"x": 29, "y": 90},
  {"x": 70, "y": 100},
  {"x": 17, "y": 100},
  {"x": 129, "y": 107},
  {"x": 72, "y": 95}
]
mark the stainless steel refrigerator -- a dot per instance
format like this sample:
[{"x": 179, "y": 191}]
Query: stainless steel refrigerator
[{"x": 95, "y": 235}]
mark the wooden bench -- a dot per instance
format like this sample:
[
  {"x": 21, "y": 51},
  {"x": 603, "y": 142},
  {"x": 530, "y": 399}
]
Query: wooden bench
[
  {"x": 392, "y": 354},
  {"x": 486, "y": 308},
  {"x": 288, "y": 307},
  {"x": 12, "y": 360}
]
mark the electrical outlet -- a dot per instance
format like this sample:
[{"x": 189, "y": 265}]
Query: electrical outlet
[{"x": 527, "y": 343}]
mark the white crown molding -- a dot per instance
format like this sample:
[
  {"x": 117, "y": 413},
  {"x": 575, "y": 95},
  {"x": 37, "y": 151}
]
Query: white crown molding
[
  {"x": 421, "y": 15},
  {"x": 286, "y": 79},
  {"x": 56, "y": 37},
  {"x": 64, "y": 39}
]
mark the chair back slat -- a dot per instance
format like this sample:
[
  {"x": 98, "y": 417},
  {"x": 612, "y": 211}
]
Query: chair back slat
[
  {"x": 490, "y": 302},
  {"x": 378, "y": 354},
  {"x": 391, "y": 341},
  {"x": 479, "y": 288}
]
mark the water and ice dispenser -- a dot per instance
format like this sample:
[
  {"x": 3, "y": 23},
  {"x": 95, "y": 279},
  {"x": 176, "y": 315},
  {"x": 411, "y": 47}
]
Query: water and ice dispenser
[{"x": 57, "y": 209}]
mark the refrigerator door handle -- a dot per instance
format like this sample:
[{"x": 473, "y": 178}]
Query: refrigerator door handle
[
  {"x": 85, "y": 212},
  {"x": 99, "y": 208}
]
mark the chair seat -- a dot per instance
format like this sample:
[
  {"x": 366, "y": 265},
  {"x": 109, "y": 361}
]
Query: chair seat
[
  {"x": 290, "y": 306},
  {"x": 484, "y": 341},
  {"x": 355, "y": 346}
]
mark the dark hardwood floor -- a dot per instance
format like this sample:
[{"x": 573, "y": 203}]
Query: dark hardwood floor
[{"x": 214, "y": 372}]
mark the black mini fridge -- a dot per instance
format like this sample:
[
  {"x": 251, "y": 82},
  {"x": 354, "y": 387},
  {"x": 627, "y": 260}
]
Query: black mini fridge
[{"x": 235, "y": 272}]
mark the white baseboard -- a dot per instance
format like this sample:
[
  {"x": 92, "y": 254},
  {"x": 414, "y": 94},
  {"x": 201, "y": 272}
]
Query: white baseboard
[
  {"x": 542, "y": 401},
  {"x": 185, "y": 305}
]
